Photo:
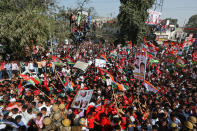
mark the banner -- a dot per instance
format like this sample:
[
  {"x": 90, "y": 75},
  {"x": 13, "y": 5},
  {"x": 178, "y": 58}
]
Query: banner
[
  {"x": 100, "y": 63},
  {"x": 154, "y": 17},
  {"x": 140, "y": 65},
  {"x": 81, "y": 65},
  {"x": 82, "y": 99}
]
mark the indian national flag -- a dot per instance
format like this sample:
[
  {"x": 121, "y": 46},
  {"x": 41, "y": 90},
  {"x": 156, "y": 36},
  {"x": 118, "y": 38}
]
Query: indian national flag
[
  {"x": 150, "y": 87},
  {"x": 103, "y": 56}
]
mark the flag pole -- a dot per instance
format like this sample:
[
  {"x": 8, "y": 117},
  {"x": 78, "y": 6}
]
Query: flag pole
[
  {"x": 42, "y": 92},
  {"x": 59, "y": 78}
]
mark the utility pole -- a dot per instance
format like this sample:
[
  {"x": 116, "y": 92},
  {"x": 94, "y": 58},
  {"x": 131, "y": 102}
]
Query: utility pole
[{"x": 50, "y": 36}]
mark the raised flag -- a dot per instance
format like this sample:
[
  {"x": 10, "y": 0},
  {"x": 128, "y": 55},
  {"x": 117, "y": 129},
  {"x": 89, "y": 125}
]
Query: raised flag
[
  {"x": 103, "y": 57},
  {"x": 30, "y": 79},
  {"x": 150, "y": 87}
]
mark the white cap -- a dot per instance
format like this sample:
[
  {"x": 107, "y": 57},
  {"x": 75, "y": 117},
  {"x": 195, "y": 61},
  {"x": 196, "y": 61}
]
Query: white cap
[
  {"x": 42, "y": 75},
  {"x": 77, "y": 116},
  {"x": 116, "y": 116},
  {"x": 92, "y": 104},
  {"x": 13, "y": 100}
]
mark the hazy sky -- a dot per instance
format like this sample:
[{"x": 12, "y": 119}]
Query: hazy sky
[{"x": 180, "y": 9}]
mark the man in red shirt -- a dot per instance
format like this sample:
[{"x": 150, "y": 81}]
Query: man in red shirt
[
  {"x": 90, "y": 121},
  {"x": 2, "y": 68}
]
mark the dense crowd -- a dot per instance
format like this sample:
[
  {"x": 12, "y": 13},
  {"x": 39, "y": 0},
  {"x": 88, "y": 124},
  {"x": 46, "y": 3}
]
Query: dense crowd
[{"x": 47, "y": 105}]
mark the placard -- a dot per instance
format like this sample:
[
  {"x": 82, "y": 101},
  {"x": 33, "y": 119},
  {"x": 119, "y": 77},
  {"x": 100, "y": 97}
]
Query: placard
[
  {"x": 140, "y": 65},
  {"x": 154, "y": 17},
  {"x": 100, "y": 63},
  {"x": 81, "y": 65},
  {"x": 82, "y": 99}
]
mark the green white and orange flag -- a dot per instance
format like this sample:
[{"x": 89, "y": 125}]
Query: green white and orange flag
[
  {"x": 115, "y": 84},
  {"x": 103, "y": 56},
  {"x": 150, "y": 87}
]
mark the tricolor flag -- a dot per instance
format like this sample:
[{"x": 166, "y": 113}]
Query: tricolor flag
[
  {"x": 103, "y": 57},
  {"x": 150, "y": 87},
  {"x": 113, "y": 53},
  {"x": 115, "y": 84}
]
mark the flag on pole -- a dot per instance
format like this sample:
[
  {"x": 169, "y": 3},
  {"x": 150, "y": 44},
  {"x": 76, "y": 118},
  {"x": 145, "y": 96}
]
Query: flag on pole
[
  {"x": 30, "y": 79},
  {"x": 46, "y": 82},
  {"x": 103, "y": 56},
  {"x": 114, "y": 83},
  {"x": 150, "y": 87}
]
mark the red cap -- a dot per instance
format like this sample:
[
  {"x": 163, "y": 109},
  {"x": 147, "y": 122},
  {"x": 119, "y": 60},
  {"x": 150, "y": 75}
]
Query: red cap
[{"x": 85, "y": 88}]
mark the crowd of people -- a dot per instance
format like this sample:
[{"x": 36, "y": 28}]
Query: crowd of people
[
  {"x": 31, "y": 106},
  {"x": 81, "y": 25}
]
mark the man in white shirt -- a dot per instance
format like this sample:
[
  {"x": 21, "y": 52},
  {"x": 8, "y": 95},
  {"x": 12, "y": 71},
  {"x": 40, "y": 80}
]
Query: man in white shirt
[
  {"x": 8, "y": 68},
  {"x": 31, "y": 66},
  {"x": 23, "y": 113},
  {"x": 14, "y": 113},
  {"x": 49, "y": 107},
  {"x": 26, "y": 69},
  {"x": 15, "y": 68},
  {"x": 40, "y": 105},
  {"x": 29, "y": 115}
]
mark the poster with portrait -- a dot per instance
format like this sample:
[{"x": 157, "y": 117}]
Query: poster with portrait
[
  {"x": 154, "y": 17},
  {"x": 82, "y": 99},
  {"x": 140, "y": 65}
]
